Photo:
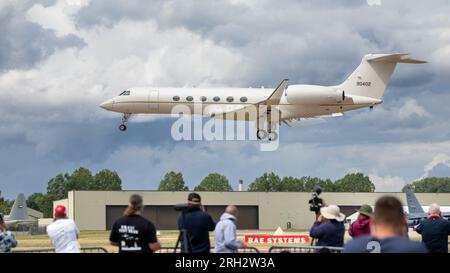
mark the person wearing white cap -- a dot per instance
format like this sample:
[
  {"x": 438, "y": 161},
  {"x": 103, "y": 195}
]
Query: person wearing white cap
[{"x": 329, "y": 228}]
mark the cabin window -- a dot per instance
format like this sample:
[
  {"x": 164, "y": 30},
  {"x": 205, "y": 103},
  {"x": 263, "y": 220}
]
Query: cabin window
[
  {"x": 216, "y": 99},
  {"x": 176, "y": 98},
  {"x": 125, "y": 93},
  {"x": 203, "y": 98},
  {"x": 189, "y": 98},
  {"x": 230, "y": 99},
  {"x": 244, "y": 99}
]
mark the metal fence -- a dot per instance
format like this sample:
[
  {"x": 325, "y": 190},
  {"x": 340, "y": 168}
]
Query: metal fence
[
  {"x": 87, "y": 249},
  {"x": 168, "y": 249},
  {"x": 305, "y": 249}
]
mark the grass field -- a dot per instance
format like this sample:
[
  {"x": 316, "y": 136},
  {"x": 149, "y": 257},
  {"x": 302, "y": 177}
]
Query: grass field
[{"x": 167, "y": 238}]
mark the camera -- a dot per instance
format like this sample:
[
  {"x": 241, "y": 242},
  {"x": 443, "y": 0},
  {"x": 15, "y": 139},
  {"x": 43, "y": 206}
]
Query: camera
[{"x": 315, "y": 202}]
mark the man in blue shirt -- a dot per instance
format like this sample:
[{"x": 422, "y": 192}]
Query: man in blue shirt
[
  {"x": 329, "y": 228},
  {"x": 388, "y": 231},
  {"x": 435, "y": 230},
  {"x": 198, "y": 225}
]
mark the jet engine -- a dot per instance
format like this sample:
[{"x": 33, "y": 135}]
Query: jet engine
[{"x": 311, "y": 94}]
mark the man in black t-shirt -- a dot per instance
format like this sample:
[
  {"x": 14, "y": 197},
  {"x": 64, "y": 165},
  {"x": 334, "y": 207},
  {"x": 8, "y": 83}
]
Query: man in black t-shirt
[{"x": 132, "y": 233}]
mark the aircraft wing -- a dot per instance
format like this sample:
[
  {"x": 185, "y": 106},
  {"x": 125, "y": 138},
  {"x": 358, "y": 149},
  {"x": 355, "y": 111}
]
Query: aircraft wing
[
  {"x": 217, "y": 111},
  {"x": 299, "y": 122},
  {"x": 273, "y": 99}
]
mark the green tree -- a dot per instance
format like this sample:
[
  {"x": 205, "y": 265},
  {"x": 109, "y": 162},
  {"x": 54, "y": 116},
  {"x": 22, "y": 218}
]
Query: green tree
[
  {"x": 311, "y": 182},
  {"x": 80, "y": 179},
  {"x": 5, "y": 205},
  {"x": 41, "y": 202},
  {"x": 266, "y": 183},
  {"x": 292, "y": 184},
  {"x": 57, "y": 186},
  {"x": 355, "y": 182},
  {"x": 106, "y": 180},
  {"x": 430, "y": 184},
  {"x": 214, "y": 182},
  {"x": 172, "y": 181}
]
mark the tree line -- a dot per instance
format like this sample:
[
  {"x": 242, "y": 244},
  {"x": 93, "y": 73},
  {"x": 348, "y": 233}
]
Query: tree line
[
  {"x": 61, "y": 184},
  {"x": 430, "y": 184},
  {"x": 83, "y": 179},
  {"x": 271, "y": 182}
]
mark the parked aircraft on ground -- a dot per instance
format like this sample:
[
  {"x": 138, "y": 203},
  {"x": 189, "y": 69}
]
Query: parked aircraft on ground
[{"x": 19, "y": 213}]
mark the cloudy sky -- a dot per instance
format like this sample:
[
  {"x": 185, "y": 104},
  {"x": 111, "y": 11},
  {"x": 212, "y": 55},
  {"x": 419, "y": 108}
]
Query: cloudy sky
[{"x": 60, "y": 58}]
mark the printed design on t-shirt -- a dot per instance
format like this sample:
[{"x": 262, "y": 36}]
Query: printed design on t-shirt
[{"x": 130, "y": 238}]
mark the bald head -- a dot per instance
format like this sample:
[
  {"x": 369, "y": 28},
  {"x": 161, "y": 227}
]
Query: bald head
[
  {"x": 232, "y": 209},
  {"x": 434, "y": 209}
]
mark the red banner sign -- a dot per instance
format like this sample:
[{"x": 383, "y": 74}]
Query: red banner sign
[{"x": 276, "y": 239}]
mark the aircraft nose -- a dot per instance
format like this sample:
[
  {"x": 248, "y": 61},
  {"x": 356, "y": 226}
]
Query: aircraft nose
[{"x": 108, "y": 105}]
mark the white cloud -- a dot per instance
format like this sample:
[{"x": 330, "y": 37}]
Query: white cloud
[
  {"x": 440, "y": 158},
  {"x": 411, "y": 108},
  {"x": 58, "y": 17},
  {"x": 50, "y": 89},
  {"x": 387, "y": 183},
  {"x": 114, "y": 59}
]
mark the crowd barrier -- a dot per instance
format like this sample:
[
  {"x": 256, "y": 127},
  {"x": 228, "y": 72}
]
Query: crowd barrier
[
  {"x": 305, "y": 249},
  {"x": 87, "y": 249},
  {"x": 169, "y": 249}
]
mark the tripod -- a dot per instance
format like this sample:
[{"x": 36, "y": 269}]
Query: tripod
[
  {"x": 317, "y": 217},
  {"x": 183, "y": 237}
]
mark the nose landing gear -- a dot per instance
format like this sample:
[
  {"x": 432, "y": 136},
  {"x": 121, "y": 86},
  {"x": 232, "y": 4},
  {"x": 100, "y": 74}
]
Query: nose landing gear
[{"x": 122, "y": 126}]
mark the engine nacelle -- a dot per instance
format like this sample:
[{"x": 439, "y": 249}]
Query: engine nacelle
[
  {"x": 313, "y": 94},
  {"x": 412, "y": 223}
]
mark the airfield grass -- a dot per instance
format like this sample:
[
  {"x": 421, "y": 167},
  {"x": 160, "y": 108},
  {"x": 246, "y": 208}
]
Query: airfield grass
[{"x": 167, "y": 238}]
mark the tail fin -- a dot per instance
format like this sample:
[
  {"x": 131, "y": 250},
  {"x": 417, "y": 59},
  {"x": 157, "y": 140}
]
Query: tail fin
[
  {"x": 19, "y": 210},
  {"x": 413, "y": 204},
  {"x": 373, "y": 74}
]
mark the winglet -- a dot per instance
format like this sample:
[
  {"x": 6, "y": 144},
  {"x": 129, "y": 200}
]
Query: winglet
[{"x": 275, "y": 97}]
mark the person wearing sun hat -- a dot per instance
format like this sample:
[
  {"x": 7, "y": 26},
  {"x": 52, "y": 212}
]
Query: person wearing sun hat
[
  {"x": 329, "y": 228},
  {"x": 361, "y": 226}
]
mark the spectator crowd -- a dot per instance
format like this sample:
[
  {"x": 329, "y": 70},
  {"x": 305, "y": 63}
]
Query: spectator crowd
[{"x": 383, "y": 229}]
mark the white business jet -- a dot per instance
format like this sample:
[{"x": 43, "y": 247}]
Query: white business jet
[{"x": 363, "y": 88}]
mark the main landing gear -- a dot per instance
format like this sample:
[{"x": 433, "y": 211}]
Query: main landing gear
[
  {"x": 270, "y": 134},
  {"x": 122, "y": 126},
  {"x": 263, "y": 134}
]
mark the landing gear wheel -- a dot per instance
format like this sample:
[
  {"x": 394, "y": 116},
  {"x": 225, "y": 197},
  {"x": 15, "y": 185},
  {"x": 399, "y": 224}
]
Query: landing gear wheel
[
  {"x": 261, "y": 134},
  {"x": 122, "y": 127},
  {"x": 273, "y": 136},
  {"x": 125, "y": 118}
]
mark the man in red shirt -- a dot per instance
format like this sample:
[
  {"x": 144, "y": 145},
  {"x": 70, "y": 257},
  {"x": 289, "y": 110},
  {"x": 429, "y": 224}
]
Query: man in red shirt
[{"x": 361, "y": 226}]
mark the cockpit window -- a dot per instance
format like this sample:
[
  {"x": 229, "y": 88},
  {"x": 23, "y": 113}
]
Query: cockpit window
[{"x": 125, "y": 93}]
